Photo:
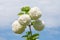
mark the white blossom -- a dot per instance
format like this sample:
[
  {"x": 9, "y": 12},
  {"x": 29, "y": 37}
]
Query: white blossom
[
  {"x": 24, "y": 19},
  {"x": 17, "y": 27},
  {"x": 38, "y": 25},
  {"x": 35, "y": 13}
]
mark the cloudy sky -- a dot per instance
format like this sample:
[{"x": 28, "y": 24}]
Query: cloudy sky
[{"x": 50, "y": 14}]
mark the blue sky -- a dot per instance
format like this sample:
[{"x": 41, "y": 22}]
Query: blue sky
[{"x": 50, "y": 14}]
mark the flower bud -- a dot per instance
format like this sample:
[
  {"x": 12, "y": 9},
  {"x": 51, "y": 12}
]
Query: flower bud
[
  {"x": 24, "y": 19},
  {"x": 17, "y": 27},
  {"x": 35, "y": 13},
  {"x": 38, "y": 25}
]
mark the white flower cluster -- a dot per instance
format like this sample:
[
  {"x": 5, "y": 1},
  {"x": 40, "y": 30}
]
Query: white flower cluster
[
  {"x": 35, "y": 13},
  {"x": 19, "y": 25},
  {"x": 24, "y": 20},
  {"x": 39, "y": 25}
]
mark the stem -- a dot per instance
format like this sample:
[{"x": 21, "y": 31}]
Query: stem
[{"x": 30, "y": 30}]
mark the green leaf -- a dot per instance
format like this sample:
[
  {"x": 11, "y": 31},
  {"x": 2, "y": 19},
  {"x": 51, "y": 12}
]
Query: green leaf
[
  {"x": 25, "y": 36},
  {"x": 32, "y": 22},
  {"x": 35, "y": 36},
  {"x": 28, "y": 33},
  {"x": 25, "y": 9},
  {"x": 21, "y": 13}
]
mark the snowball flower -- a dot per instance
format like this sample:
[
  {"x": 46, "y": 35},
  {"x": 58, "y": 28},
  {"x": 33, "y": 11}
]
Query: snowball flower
[
  {"x": 17, "y": 28},
  {"x": 24, "y": 19},
  {"x": 38, "y": 25},
  {"x": 35, "y": 13}
]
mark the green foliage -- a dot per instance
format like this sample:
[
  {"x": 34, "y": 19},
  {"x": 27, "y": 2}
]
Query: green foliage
[
  {"x": 21, "y": 13},
  {"x": 29, "y": 37},
  {"x": 27, "y": 34},
  {"x": 32, "y": 22},
  {"x": 35, "y": 36},
  {"x": 25, "y": 9}
]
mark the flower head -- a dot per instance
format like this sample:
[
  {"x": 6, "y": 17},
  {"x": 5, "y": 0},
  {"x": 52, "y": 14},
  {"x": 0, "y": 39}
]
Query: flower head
[
  {"x": 17, "y": 27},
  {"x": 35, "y": 13},
  {"x": 24, "y": 19},
  {"x": 38, "y": 25}
]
